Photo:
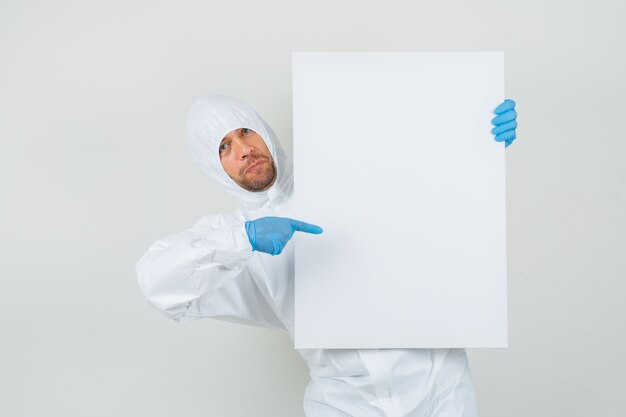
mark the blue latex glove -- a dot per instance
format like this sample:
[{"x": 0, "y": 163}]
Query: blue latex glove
[
  {"x": 271, "y": 234},
  {"x": 505, "y": 122}
]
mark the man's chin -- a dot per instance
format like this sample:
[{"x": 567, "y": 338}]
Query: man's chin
[{"x": 258, "y": 185}]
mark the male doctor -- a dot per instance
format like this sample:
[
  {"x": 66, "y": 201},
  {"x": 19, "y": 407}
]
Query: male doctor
[{"x": 239, "y": 267}]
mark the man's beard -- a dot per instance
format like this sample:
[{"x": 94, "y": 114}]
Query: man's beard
[{"x": 261, "y": 183}]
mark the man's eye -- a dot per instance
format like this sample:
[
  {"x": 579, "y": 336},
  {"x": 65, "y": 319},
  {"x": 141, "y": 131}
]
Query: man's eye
[
  {"x": 222, "y": 147},
  {"x": 245, "y": 130}
]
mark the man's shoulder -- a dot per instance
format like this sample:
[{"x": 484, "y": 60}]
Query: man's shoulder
[{"x": 219, "y": 220}]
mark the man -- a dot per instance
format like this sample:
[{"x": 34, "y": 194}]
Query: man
[{"x": 222, "y": 268}]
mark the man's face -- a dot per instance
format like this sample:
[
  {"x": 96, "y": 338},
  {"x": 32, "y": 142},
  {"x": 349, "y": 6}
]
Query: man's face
[{"x": 247, "y": 160}]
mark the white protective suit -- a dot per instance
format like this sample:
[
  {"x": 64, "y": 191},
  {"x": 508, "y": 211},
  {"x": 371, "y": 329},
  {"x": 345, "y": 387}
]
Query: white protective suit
[{"x": 210, "y": 270}]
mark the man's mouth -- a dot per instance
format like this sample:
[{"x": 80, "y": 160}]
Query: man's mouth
[{"x": 255, "y": 164}]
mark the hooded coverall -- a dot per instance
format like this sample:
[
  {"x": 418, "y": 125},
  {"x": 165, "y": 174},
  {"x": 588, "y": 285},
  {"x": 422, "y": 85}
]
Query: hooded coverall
[{"x": 210, "y": 270}]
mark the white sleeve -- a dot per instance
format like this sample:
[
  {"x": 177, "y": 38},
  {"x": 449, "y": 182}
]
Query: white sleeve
[{"x": 201, "y": 272}]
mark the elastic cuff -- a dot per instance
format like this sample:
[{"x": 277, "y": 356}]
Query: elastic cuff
[{"x": 251, "y": 232}]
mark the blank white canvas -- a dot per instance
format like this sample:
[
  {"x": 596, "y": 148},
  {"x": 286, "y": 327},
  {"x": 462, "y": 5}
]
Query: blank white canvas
[{"x": 394, "y": 158}]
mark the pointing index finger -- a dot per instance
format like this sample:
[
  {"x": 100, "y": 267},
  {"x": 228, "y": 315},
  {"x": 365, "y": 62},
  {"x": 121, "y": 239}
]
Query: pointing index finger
[{"x": 307, "y": 227}]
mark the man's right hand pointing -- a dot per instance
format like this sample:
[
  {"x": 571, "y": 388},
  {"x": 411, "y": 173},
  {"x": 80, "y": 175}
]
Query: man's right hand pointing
[{"x": 271, "y": 234}]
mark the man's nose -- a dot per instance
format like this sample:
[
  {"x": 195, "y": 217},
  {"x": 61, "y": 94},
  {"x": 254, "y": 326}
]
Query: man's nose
[{"x": 243, "y": 149}]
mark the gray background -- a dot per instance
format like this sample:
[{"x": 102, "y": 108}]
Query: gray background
[{"x": 93, "y": 168}]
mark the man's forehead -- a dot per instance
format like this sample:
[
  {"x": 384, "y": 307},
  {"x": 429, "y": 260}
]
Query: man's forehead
[
  {"x": 238, "y": 132},
  {"x": 230, "y": 134}
]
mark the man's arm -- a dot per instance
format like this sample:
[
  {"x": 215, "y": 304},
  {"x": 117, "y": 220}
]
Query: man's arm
[{"x": 201, "y": 272}]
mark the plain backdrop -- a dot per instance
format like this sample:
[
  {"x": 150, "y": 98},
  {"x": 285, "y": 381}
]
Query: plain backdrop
[{"x": 94, "y": 168}]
